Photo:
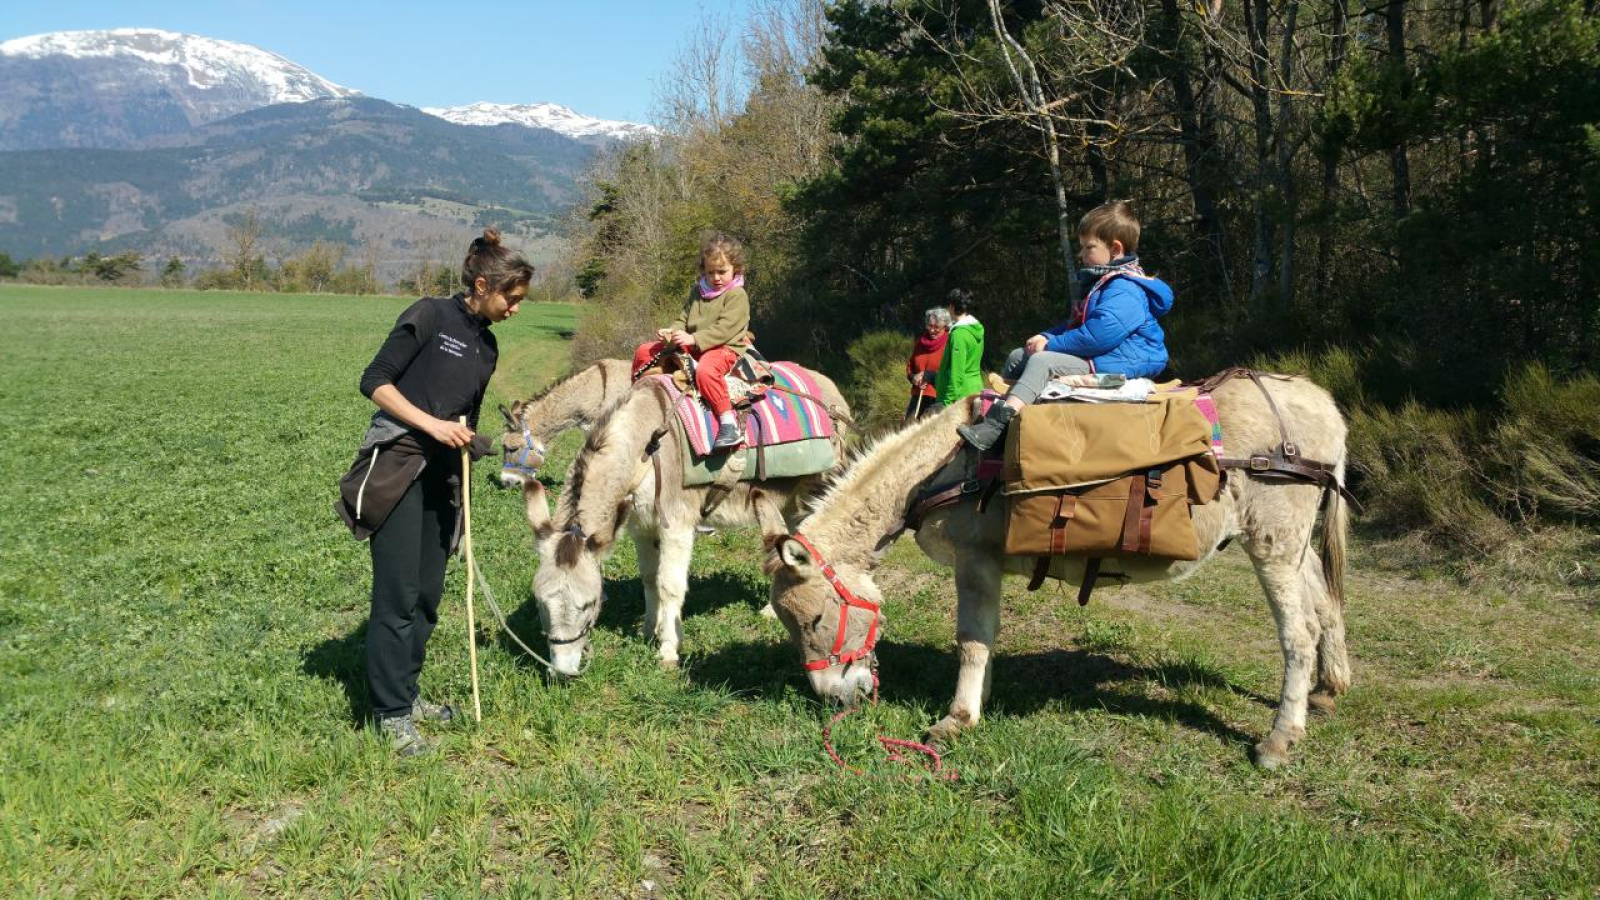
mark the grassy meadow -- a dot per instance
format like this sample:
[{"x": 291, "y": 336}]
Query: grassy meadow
[{"x": 181, "y": 627}]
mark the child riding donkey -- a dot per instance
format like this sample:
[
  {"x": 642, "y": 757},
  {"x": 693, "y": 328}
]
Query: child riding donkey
[
  {"x": 1114, "y": 330},
  {"x": 713, "y": 329}
]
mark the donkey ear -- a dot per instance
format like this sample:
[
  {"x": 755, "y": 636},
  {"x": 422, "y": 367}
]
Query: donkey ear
[
  {"x": 773, "y": 528},
  {"x": 538, "y": 508},
  {"x": 794, "y": 554},
  {"x": 507, "y": 414}
]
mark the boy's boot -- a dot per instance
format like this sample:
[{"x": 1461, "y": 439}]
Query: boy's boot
[
  {"x": 986, "y": 432},
  {"x": 403, "y": 735},
  {"x": 423, "y": 711}
]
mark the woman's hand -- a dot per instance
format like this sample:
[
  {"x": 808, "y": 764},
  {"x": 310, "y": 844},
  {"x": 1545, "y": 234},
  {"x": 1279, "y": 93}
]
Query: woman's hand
[
  {"x": 450, "y": 434},
  {"x": 1035, "y": 344},
  {"x": 916, "y": 379}
]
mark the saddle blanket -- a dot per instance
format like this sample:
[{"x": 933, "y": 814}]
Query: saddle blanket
[{"x": 780, "y": 413}]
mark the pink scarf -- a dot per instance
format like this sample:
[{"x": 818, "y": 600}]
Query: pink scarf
[{"x": 707, "y": 293}]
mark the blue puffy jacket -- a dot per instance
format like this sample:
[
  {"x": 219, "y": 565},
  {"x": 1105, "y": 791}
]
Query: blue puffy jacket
[{"x": 1119, "y": 334}]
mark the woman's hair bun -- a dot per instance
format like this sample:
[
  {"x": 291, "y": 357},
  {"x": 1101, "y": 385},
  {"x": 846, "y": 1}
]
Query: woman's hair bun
[{"x": 491, "y": 238}]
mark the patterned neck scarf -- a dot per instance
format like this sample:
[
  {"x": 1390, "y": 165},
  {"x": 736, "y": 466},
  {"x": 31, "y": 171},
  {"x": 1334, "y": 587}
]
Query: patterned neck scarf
[
  {"x": 1092, "y": 278},
  {"x": 707, "y": 292}
]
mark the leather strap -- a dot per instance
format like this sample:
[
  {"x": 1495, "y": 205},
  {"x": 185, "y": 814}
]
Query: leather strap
[
  {"x": 1130, "y": 519},
  {"x": 1066, "y": 506},
  {"x": 1041, "y": 569},
  {"x": 1091, "y": 572}
]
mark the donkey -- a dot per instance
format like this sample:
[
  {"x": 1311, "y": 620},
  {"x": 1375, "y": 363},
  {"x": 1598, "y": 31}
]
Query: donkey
[
  {"x": 630, "y": 471},
  {"x": 823, "y": 592},
  {"x": 573, "y": 402}
]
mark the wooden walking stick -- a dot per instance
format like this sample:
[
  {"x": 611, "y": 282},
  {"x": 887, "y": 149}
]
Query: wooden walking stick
[{"x": 466, "y": 547}]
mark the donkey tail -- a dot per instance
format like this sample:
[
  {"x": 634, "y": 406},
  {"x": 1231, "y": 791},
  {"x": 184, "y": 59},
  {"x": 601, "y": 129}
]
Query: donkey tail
[{"x": 1335, "y": 533}]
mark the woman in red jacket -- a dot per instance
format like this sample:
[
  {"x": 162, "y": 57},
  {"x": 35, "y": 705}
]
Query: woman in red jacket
[{"x": 923, "y": 367}]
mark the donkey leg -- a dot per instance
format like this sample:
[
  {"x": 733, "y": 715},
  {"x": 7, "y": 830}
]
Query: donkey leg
[
  {"x": 648, "y": 546},
  {"x": 674, "y": 548},
  {"x": 977, "y": 626},
  {"x": 1279, "y": 574}
]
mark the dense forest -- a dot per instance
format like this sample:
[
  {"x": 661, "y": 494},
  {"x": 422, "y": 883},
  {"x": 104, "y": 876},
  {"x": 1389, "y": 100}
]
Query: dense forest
[{"x": 1395, "y": 198}]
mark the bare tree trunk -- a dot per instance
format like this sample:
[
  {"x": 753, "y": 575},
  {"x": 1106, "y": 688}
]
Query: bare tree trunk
[
  {"x": 1394, "y": 18},
  {"x": 1340, "y": 38},
  {"x": 1033, "y": 97},
  {"x": 1256, "y": 21},
  {"x": 1199, "y": 141},
  {"x": 1287, "y": 190}
]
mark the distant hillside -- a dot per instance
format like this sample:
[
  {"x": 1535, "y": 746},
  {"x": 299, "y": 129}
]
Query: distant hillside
[{"x": 354, "y": 170}]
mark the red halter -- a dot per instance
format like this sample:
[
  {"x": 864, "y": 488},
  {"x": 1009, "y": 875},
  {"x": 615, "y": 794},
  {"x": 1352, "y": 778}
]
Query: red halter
[{"x": 850, "y": 599}]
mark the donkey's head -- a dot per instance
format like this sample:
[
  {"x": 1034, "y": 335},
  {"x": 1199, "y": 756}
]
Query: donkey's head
[
  {"x": 521, "y": 452},
  {"x": 832, "y": 616},
  {"x": 568, "y": 586}
]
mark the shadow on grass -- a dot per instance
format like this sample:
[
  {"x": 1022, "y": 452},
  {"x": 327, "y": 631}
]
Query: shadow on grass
[
  {"x": 623, "y": 609},
  {"x": 343, "y": 660},
  {"x": 920, "y": 675}
]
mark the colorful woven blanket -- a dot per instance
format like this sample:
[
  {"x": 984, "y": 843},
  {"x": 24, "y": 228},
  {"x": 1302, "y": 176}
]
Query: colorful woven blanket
[{"x": 779, "y": 413}]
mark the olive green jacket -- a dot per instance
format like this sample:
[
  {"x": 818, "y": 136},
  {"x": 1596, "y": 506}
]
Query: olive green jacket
[{"x": 719, "y": 322}]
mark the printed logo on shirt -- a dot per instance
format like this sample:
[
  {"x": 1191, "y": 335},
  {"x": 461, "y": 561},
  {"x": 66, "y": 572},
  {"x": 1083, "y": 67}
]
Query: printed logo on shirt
[{"x": 452, "y": 346}]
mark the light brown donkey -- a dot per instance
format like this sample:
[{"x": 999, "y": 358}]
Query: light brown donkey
[
  {"x": 630, "y": 471},
  {"x": 822, "y": 573},
  {"x": 573, "y": 402}
]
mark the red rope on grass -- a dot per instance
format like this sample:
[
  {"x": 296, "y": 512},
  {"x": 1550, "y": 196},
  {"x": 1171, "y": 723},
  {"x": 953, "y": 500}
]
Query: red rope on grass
[{"x": 892, "y": 746}]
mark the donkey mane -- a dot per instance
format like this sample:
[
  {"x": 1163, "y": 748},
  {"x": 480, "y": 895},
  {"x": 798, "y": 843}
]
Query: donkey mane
[{"x": 866, "y": 463}]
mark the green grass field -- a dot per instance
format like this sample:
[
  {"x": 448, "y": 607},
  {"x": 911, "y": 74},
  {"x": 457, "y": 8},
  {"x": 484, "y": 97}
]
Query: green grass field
[{"x": 181, "y": 624}]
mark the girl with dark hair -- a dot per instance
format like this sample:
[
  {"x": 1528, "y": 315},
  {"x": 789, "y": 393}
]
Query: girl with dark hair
[
  {"x": 404, "y": 487},
  {"x": 961, "y": 370}
]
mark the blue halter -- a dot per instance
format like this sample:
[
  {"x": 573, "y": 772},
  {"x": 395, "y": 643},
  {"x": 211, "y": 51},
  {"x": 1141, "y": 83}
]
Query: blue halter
[{"x": 522, "y": 464}]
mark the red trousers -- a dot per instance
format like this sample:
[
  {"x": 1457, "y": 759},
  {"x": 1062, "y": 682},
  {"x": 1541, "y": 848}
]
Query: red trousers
[{"x": 714, "y": 365}]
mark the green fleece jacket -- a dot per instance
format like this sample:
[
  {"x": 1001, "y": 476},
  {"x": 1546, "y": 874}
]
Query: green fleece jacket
[
  {"x": 719, "y": 322},
  {"x": 961, "y": 370}
]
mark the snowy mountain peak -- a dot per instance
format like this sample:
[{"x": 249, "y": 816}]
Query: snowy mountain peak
[
  {"x": 190, "y": 61},
  {"x": 551, "y": 116}
]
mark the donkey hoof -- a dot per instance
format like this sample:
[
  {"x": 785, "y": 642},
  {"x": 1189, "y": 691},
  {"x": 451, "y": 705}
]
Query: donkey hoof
[
  {"x": 1322, "y": 704},
  {"x": 944, "y": 733},
  {"x": 1272, "y": 753},
  {"x": 669, "y": 665}
]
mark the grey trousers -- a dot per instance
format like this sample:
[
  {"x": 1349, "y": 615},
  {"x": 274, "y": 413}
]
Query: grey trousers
[{"x": 1030, "y": 374}]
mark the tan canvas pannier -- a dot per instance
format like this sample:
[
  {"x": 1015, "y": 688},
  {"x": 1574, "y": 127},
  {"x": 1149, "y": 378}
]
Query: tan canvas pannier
[{"x": 1108, "y": 479}]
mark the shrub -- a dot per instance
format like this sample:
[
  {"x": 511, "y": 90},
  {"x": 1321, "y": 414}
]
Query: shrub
[{"x": 877, "y": 389}]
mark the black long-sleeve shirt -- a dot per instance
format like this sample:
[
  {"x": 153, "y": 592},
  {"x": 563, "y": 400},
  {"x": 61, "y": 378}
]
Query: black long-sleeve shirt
[{"x": 439, "y": 356}]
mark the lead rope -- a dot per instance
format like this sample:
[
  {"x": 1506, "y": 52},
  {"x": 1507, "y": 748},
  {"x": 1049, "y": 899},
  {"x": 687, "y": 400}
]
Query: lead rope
[
  {"x": 494, "y": 607},
  {"x": 891, "y": 746}
]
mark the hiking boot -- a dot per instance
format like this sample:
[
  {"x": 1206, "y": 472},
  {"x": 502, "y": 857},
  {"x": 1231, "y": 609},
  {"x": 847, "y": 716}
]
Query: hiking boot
[
  {"x": 728, "y": 437},
  {"x": 423, "y": 711},
  {"x": 403, "y": 736},
  {"x": 986, "y": 432}
]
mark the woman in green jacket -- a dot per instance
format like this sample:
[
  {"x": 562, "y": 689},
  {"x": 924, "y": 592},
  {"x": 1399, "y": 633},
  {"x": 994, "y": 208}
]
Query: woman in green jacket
[{"x": 961, "y": 370}]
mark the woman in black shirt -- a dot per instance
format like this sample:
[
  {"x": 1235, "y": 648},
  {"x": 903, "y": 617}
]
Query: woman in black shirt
[{"x": 402, "y": 490}]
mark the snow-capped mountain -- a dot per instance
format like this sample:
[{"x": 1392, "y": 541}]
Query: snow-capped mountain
[
  {"x": 113, "y": 88},
  {"x": 556, "y": 118}
]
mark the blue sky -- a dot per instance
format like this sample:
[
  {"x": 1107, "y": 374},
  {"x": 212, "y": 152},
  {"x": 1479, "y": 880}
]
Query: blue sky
[{"x": 601, "y": 57}]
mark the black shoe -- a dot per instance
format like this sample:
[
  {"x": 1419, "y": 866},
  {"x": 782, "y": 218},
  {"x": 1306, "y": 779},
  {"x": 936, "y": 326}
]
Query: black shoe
[
  {"x": 728, "y": 437},
  {"x": 986, "y": 432}
]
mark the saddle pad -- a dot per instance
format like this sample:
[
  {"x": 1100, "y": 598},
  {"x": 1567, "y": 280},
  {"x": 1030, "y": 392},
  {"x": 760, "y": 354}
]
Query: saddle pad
[
  {"x": 778, "y": 414},
  {"x": 1208, "y": 408},
  {"x": 791, "y": 460}
]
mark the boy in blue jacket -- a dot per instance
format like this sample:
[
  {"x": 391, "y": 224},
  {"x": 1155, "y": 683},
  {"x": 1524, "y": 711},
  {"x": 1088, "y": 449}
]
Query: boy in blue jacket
[{"x": 1114, "y": 331}]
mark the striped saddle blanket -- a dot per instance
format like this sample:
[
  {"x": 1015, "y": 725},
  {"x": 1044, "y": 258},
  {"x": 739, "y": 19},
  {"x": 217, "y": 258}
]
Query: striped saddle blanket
[{"x": 783, "y": 412}]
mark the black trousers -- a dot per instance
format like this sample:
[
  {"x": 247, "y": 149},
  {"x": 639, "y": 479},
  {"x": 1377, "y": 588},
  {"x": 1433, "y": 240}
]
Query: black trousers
[{"x": 408, "y": 564}]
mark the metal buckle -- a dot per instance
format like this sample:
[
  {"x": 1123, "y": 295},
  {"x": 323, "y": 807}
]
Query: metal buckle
[
  {"x": 1289, "y": 449},
  {"x": 1260, "y": 463}
]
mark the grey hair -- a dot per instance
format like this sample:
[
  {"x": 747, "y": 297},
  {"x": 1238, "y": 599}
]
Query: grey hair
[{"x": 937, "y": 315}]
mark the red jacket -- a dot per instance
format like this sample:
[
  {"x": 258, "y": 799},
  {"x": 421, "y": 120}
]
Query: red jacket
[{"x": 926, "y": 354}]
